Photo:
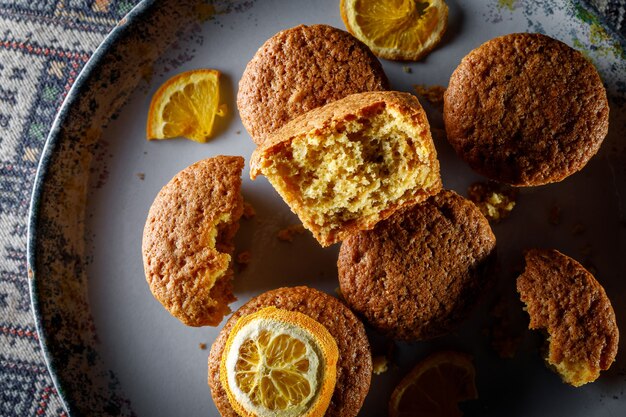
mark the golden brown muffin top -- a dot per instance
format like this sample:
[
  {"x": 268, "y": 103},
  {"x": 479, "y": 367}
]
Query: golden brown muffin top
[
  {"x": 416, "y": 274},
  {"x": 302, "y": 68},
  {"x": 526, "y": 109}
]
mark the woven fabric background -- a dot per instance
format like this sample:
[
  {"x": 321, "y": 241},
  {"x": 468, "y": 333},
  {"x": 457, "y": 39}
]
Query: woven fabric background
[{"x": 43, "y": 46}]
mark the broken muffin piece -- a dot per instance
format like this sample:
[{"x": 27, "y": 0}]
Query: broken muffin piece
[
  {"x": 565, "y": 300},
  {"x": 495, "y": 200},
  {"x": 347, "y": 165},
  {"x": 188, "y": 240}
]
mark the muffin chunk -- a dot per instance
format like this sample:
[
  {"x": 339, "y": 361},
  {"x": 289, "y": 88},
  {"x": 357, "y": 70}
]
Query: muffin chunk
[{"x": 347, "y": 165}]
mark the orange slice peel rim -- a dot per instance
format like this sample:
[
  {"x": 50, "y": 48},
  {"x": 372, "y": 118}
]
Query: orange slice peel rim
[
  {"x": 461, "y": 361},
  {"x": 322, "y": 354},
  {"x": 404, "y": 30},
  {"x": 185, "y": 106}
]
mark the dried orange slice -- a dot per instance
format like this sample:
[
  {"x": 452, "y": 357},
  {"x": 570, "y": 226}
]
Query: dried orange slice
[
  {"x": 396, "y": 29},
  {"x": 279, "y": 363},
  {"x": 186, "y": 105},
  {"x": 435, "y": 387}
]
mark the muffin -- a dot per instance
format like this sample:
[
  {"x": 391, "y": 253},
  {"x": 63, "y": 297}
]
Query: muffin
[
  {"x": 188, "y": 240},
  {"x": 354, "y": 366},
  {"x": 417, "y": 274},
  {"x": 565, "y": 300},
  {"x": 347, "y": 165},
  {"x": 526, "y": 109},
  {"x": 302, "y": 68}
]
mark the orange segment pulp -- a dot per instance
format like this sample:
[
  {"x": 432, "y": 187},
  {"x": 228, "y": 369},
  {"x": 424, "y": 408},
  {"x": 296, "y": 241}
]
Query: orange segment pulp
[
  {"x": 279, "y": 363},
  {"x": 396, "y": 29},
  {"x": 435, "y": 387},
  {"x": 186, "y": 105}
]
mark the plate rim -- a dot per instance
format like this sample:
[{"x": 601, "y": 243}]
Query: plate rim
[{"x": 50, "y": 146}]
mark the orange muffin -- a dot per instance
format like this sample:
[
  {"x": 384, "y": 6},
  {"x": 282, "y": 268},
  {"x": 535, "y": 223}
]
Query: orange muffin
[
  {"x": 526, "y": 109},
  {"x": 417, "y": 274}
]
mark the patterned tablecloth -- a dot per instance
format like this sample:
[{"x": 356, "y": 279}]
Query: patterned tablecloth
[{"x": 43, "y": 46}]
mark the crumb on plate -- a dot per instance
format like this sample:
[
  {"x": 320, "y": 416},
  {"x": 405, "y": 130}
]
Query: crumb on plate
[
  {"x": 248, "y": 211},
  {"x": 380, "y": 364},
  {"x": 243, "y": 258},
  {"x": 495, "y": 201},
  {"x": 432, "y": 93},
  {"x": 287, "y": 234}
]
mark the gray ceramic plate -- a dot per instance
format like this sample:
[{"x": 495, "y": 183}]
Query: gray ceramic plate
[{"x": 113, "y": 350}]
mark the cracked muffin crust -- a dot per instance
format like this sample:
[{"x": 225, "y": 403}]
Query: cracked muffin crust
[
  {"x": 566, "y": 301},
  {"x": 526, "y": 109},
  {"x": 302, "y": 68},
  {"x": 416, "y": 274},
  {"x": 347, "y": 165}
]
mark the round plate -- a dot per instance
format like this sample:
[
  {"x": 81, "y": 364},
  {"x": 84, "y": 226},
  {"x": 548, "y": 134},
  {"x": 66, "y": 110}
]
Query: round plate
[{"x": 111, "y": 347}]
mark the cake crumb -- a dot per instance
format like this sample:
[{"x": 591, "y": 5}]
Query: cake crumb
[
  {"x": 433, "y": 94},
  {"x": 243, "y": 258},
  {"x": 554, "y": 216},
  {"x": 287, "y": 234},
  {"x": 202, "y": 346},
  {"x": 141, "y": 176},
  {"x": 248, "y": 211},
  {"x": 407, "y": 69},
  {"x": 495, "y": 201},
  {"x": 380, "y": 364}
]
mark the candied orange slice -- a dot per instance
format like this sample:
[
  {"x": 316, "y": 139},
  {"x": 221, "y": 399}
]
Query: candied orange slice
[
  {"x": 279, "y": 363},
  {"x": 186, "y": 105},
  {"x": 396, "y": 29},
  {"x": 435, "y": 387}
]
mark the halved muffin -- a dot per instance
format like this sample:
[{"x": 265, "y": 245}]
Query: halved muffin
[
  {"x": 566, "y": 301},
  {"x": 347, "y": 165}
]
